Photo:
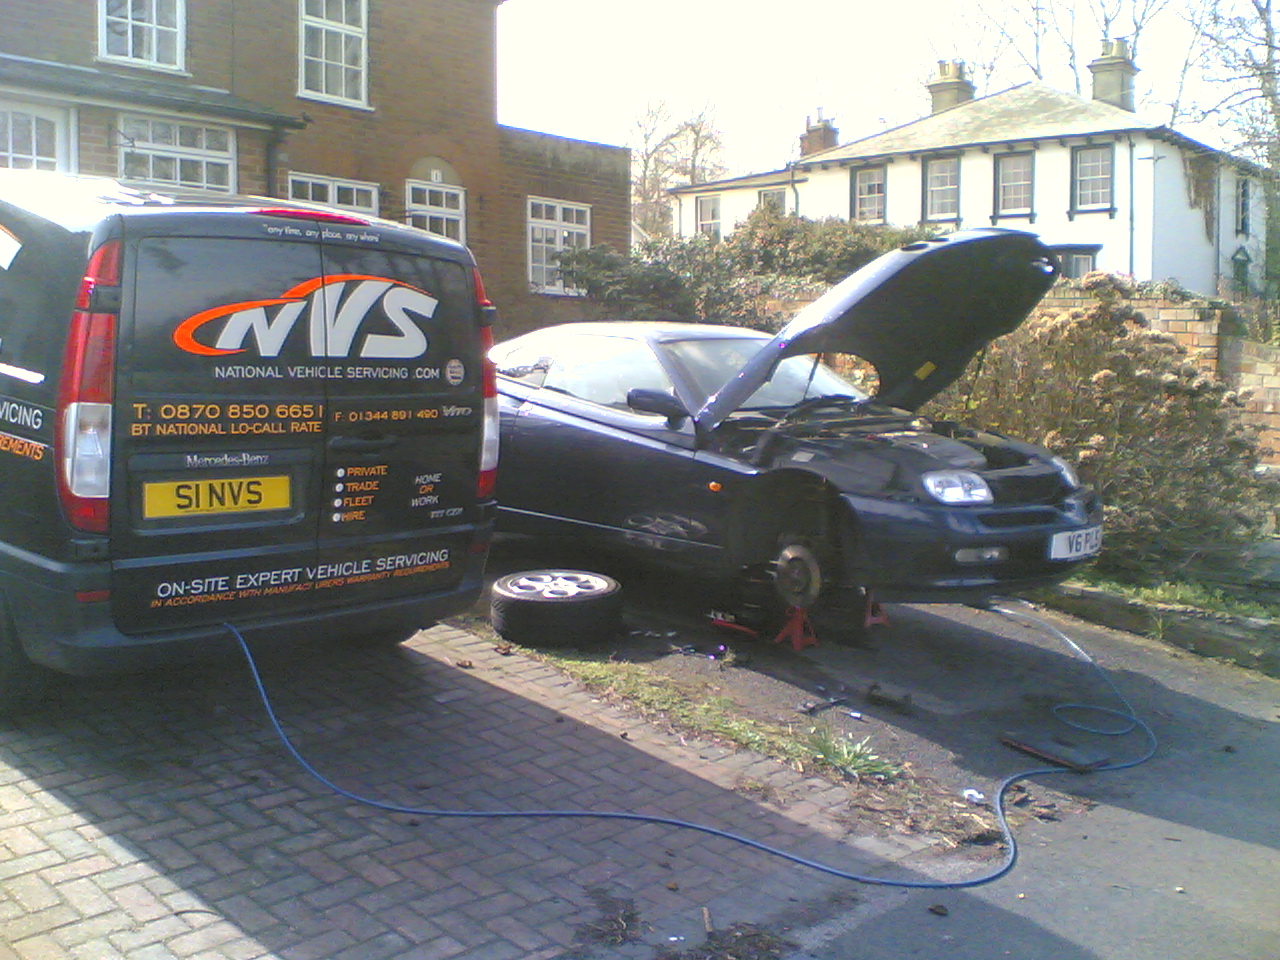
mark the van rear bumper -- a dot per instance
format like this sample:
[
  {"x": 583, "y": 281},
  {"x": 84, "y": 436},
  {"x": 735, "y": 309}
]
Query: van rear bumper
[{"x": 73, "y": 636}]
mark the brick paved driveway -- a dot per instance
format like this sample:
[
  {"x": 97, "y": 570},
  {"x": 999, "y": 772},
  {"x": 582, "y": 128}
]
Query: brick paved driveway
[{"x": 159, "y": 817}]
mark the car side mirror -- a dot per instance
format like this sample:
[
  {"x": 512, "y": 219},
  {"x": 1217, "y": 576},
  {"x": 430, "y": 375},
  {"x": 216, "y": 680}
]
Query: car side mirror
[{"x": 656, "y": 401}]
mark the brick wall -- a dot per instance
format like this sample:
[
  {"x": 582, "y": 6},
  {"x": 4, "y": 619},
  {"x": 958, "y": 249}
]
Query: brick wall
[
  {"x": 432, "y": 96},
  {"x": 64, "y": 31},
  {"x": 1255, "y": 368},
  {"x": 538, "y": 165}
]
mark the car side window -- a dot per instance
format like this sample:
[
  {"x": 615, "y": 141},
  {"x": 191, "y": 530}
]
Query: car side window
[
  {"x": 603, "y": 369},
  {"x": 528, "y": 364}
]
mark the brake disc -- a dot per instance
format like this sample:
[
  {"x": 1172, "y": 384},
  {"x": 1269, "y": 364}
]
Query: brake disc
[{"x": 797, "y": 575}]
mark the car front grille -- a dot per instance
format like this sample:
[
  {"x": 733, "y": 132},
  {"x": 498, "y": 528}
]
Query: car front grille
[
  {"x": 1005, "y": 520},
  {"x": 1011, "y": 487}
]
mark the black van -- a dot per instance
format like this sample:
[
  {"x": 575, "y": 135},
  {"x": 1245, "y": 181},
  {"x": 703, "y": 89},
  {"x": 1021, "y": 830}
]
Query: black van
[{"x": 230, "y": 411}]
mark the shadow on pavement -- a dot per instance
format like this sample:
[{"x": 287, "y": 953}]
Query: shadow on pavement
[{"x": 159, "y": 816}]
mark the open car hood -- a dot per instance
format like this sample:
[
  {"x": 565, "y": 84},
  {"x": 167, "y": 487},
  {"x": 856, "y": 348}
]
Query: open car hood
[{"x": 918, "y": 315}]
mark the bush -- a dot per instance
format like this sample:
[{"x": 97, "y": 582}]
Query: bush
[
  {"x": 827, "y": 251},
  {"x": 1165, "y": 444},
  {"x": 737, "y": 281}
]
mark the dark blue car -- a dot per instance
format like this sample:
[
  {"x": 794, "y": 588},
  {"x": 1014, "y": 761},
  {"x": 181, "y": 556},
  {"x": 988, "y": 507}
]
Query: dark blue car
[{"x": 744, "y": 457}]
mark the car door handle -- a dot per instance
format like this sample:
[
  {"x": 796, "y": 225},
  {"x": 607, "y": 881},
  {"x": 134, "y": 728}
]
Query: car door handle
[{"x": 363, "y": 444}]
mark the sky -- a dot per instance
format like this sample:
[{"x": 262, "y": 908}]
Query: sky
[{"x": 589, "y": 69}]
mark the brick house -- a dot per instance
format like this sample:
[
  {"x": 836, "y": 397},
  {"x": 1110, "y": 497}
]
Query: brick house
[{"x": 384, "y": 107}]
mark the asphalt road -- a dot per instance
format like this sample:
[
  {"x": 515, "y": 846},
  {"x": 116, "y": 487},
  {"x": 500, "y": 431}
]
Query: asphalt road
[
  {"x": 1173, "y": 859},
  {"x": 1176, "y": 859}
]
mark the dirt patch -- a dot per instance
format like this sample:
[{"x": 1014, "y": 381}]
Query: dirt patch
[
  {"x": 755, "y": 695},
  {"x": 742, "y": 941},
  {"x": 619, "y": 923}
]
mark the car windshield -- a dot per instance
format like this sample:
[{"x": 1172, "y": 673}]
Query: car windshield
[{"x": 708, "y": 364}]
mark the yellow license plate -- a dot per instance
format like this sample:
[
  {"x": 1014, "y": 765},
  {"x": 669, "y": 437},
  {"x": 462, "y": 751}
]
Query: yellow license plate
[{"x": 185, "y": 498}]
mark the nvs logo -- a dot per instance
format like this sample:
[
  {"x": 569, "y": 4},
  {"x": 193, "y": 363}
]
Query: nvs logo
[{"x": 335, "y": 307}]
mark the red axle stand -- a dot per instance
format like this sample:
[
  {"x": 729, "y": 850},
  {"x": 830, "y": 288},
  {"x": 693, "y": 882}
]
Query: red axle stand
[{"x": 797, "y": 629}]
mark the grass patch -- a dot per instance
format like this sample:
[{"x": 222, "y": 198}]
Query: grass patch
[
  {"x": 689, "y": 708},
  {"x": 1183, "y": 593},
  {"x": 686, "y": 707},
  {"x": 851, "y": 757}
]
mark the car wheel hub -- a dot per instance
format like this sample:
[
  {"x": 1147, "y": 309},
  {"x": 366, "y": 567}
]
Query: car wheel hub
[
  {"x": 551, "y": 585},
  {"x": 797, "y": 575}
]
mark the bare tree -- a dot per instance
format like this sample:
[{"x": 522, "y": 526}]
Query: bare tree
[
  {"x": 1240, "y": 38},
  {"x": 652, "y": 169},
  {"x": 698, "y": 145},
  {"x": 1126, "y": 18},
  {"x": 1027, "y": 34},
  {"x": 665, "y": 153},
  {"x": 1196, "y": 17},
  {"x": 1047, "y": 33}
]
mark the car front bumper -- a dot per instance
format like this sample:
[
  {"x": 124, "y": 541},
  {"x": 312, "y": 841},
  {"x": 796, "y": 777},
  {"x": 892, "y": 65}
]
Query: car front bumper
[{"x": 907, "y": 551}]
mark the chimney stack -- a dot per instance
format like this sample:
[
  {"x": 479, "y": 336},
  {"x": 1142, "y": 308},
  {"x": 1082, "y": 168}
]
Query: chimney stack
[
  {"x": 952, "y": 87},
  {"x": 818, "y": 136},
  {"x": 1113, "y": 74}
]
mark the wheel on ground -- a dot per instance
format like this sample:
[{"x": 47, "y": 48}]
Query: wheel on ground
[{"x": 556, "y": 607}]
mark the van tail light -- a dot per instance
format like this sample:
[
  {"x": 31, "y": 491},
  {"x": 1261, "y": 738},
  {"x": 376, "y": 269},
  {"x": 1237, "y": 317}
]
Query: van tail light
[
  {"x": 83, "y": 435},
  {"x": 487, "y": 481}
]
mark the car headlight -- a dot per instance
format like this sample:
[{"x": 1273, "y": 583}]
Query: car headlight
[
  {"x": 1069, "y": 475},
  {"x": 957, "y": 486}
]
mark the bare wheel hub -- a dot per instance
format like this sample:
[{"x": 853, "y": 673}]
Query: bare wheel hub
[{"x": 797, "y": 575}]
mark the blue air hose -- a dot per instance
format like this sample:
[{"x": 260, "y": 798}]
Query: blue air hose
[{"x": 997, "y": 803}]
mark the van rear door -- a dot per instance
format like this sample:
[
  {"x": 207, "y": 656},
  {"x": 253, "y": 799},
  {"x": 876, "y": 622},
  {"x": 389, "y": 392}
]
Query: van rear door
[
  {"x": 287, "y": 391},
  {"x": 403, "y": 428}
]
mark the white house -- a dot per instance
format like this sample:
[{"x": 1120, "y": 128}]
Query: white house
[{"x": 1106, "y": 188}]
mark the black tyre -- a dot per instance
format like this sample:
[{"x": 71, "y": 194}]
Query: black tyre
[{"x": 556, "y": 607}]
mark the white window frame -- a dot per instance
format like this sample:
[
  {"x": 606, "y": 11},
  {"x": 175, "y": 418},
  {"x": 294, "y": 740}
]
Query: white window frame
[
  {"x": 142, "y": 28},
  {"x": 775, "y": 198},
  {"x": 1013, "y": 184},
  {"x": 32, "y": 159},
  {"x": 1076, "y": 265},
  {"x": 334, "y": 192},
  {"x": 1093, "y": 178},
  {"x": 554, "y": 226},
  {"x": 869, "y": 203},
  {"x": 177, "y": 145},
  {"x": 942, "y": 189},
  {"x": 706, "y": 216},
  {"x": 438, "y": 208},
  {"x": 344, "y": 48},
  {"x": 1243, "y": 202}
]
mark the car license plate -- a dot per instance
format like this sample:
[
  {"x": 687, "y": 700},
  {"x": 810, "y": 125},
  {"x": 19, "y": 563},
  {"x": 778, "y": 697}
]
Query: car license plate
[
  {"x": 1076, "y": 544},
  {"x": 182, "y": 498}
]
